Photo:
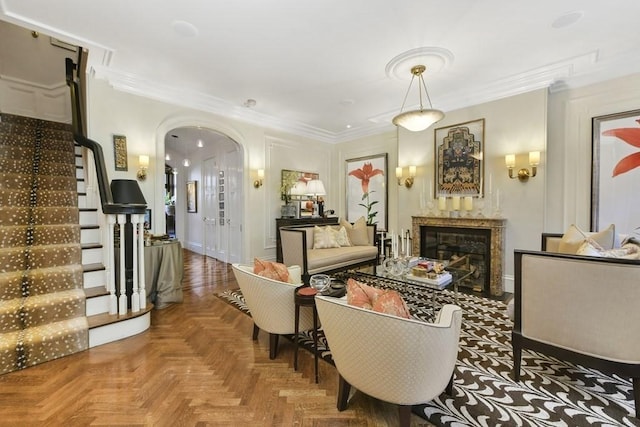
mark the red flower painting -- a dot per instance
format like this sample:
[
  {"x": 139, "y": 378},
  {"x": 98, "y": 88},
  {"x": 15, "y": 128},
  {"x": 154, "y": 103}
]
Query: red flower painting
[
  {"x": 632, "y": 137},
  {"x": 364, "y": 174}
]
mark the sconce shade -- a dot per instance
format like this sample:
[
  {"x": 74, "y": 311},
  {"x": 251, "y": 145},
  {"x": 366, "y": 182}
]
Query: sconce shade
[
  {"x": 412, "y": 171},
  {"x": 398, "y": 172},
  {"x": 418, "y": 120},
  {"x": 261, "y": 173},
  {"x": 315, "y": 187},
  {"x": 510, "y": 160},
  {"x": 534, "y": 158},
  {"x": 143, "y": 161}
]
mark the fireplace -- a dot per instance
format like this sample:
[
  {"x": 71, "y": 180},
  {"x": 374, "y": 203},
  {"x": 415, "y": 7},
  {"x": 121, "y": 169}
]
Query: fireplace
[
  {"x": 468, "y": 248},
  {"x": 474, "y": 243}
]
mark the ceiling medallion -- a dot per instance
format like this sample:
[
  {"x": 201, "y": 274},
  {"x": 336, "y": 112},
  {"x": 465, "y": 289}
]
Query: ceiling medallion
[{"x": 435, "y": 59}]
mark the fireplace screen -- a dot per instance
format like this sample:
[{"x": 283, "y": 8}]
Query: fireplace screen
[{"x": 467, "y": 248}]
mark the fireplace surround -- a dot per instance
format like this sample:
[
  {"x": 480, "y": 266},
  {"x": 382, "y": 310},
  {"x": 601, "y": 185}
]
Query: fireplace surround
[{"x": 480, "y": 240}]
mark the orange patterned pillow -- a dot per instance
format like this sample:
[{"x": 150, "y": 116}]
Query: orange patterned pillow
[
  {"x": 271, "y": 270},
  {"x": 359, "y": 294},
  {"x": 390, "y": 302},
  {"x": 382, "y": 301}
]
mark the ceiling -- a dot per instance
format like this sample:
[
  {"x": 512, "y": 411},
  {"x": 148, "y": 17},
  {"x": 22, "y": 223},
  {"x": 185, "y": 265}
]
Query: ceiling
[{"x": 335, "y": 70}]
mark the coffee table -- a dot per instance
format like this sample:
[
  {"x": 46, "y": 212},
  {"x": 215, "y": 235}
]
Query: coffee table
[{"x": 405, "y": 285}]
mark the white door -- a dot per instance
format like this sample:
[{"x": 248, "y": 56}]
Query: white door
[
  {"x": 210, "y": 206},
  {"x": 233, "y": 205}
]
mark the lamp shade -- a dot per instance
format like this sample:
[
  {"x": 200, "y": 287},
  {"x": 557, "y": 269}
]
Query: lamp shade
[
  {"x": 418, "y": 120},
  {"x": 315, "y": 187},
  {"x": 299, "y": 189},
  {"x": 127, "y": 192}
]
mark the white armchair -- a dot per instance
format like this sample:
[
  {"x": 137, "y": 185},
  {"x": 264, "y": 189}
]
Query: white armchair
[
  {"x": 401, "y": 361},
  {"x": 271, "y": 304}
]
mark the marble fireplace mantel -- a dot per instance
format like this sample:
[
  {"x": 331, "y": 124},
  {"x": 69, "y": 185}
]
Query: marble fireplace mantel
[{"x": 496, "y": 227}]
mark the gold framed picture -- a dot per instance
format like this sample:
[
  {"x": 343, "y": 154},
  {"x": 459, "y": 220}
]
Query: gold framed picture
[{"x": 120, "y": 152}]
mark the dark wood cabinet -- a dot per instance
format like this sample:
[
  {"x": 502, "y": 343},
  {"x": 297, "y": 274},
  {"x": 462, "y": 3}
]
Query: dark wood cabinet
[{"x": 285, "y": 222}]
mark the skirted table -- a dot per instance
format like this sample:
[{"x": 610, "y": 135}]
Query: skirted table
[{"x": 163, "y": 271}]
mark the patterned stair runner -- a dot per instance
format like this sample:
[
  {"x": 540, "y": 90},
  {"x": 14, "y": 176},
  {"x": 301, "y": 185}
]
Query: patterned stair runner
[{"x": 42, "y": 301}]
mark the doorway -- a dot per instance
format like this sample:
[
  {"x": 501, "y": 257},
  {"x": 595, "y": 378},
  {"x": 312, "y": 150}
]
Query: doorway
[{"x": 212, "y": 164}]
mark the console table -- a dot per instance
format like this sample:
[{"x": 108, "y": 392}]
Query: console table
[
  {"x": 284, "y": 222},
  {"x": 485, "y": 234}
]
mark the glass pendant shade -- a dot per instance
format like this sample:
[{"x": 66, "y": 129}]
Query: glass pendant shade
[{"x": 418, "y": 120}]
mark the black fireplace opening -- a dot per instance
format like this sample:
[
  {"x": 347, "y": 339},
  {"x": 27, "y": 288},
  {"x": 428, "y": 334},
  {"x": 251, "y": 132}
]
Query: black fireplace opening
[{"x": 467, "y": 248}]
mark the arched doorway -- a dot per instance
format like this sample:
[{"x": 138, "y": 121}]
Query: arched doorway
[{"x": 208, "y": 176}]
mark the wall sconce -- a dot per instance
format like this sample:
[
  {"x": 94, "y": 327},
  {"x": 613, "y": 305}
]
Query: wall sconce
[
  {"x": 143, "y": 162},
  {"x": 258, "y": 182},
  {"x": 409, "y": 181},
  {"x": 523, "y": 174}
]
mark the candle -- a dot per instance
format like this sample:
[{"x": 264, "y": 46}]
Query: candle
[
  {"x": 442, "y": 203},
  {"x": 456, "y": 203},
  {"x": 480, "y": 190},
  {"x": 468, "y": 203}
]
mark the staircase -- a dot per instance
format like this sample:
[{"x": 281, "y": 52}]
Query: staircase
[{"x": 54, "y": 298}]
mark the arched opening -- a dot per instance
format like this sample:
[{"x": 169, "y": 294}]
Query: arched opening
[{"x": 203, "y": 191}]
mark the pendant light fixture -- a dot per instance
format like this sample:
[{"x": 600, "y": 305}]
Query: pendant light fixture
[{"x": 417, "y": 120}]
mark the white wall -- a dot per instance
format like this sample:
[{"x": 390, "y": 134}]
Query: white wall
[{"x": 570, "y": 139}]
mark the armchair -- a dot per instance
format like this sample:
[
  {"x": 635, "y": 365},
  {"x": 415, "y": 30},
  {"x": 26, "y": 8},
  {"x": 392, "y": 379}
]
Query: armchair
[
  {"x": 397, "y": 360},
  {"x": 271, "y": 304}
]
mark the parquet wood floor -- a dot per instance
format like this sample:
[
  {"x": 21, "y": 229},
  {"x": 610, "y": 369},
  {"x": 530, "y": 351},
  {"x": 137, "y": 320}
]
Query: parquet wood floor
[{"x": 196, "y": 366}]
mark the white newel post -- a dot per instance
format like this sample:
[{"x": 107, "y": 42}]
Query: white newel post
[
  {"x": 111, "y": 270},
  {"x": 135, "y": 301},
  {"x": 141, "y": 279},
  {"x": 122, "y": 298}
]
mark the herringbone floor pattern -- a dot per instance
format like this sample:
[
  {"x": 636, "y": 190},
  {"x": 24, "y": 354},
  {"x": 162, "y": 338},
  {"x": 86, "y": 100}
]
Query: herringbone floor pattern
[{"x": 196, "y": 366}]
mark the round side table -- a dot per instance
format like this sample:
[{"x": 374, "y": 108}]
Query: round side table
[{"x": 304, "y": 296}]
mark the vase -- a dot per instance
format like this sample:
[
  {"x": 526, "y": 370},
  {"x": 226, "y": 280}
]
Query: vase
[{"x": 288, "y": 211}]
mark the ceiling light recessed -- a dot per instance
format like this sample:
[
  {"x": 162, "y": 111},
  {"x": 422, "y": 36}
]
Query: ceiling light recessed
[
  {"x": 184, "y": 28},
  {"x": 567, "y": 19},
  {"x": 249, "y": 103}
]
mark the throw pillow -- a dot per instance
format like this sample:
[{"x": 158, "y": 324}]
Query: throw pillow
[
  {"x": 358, "y": 232},
  {"x": 390, "y": 302},
  {"x": 271, "y": 270},
  {"x": 574, "y": 237},
  {"x": 383, "y": 301},
  {"x": 324, "y": 238},
  {"x": 591, "y": 248},
  {"x": 341, "y": 236}
]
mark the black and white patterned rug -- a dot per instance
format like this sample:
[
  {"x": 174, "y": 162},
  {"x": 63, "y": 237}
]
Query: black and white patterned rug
[{"x": 551, "y": 392}]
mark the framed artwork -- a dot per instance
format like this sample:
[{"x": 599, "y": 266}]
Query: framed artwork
[
  {"x": 289, "y": 178},
  {"x": 615, "y": 171},
  {"x": 192, "y": 196},
  {"x": 458, "y": 153},
  {"x": 366, "y": 184},
  {"x": 120, "y": 152},
  {"x": 147, "y": 219}
]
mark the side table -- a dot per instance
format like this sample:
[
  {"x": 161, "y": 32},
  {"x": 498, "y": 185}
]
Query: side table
[{"x": 304, "y": 296}]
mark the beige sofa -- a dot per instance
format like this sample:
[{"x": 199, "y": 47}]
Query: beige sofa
[
  {"x": 298, "y": 249},
  {"x": 583, "y": 309}
]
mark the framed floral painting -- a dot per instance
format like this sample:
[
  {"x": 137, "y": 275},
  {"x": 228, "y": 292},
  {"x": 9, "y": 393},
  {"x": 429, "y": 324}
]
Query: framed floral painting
[
  {"x": 616, "y": 171},
  {"x": 367, "y": 189}
]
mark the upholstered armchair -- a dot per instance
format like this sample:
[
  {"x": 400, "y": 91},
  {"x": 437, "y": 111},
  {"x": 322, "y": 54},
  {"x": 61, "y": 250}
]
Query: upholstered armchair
[
  {"x": 271, "y": 304},
  {"x": 401, "y": 361}
]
